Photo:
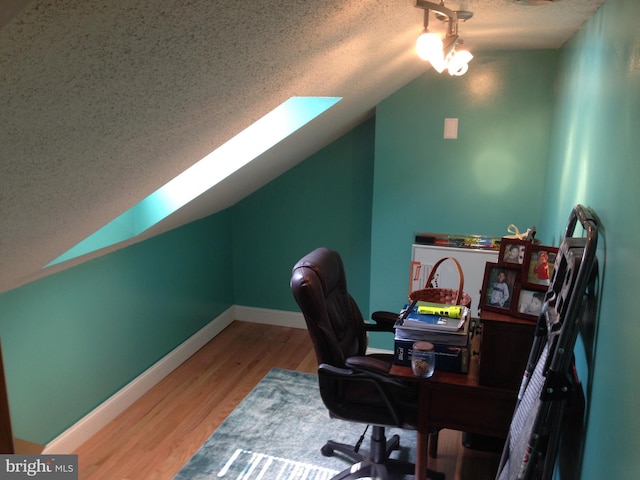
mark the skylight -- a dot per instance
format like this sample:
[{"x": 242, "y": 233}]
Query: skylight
[{"x": 256, "y": 139}]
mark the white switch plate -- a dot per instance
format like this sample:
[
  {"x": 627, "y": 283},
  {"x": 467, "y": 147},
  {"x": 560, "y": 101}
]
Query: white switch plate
[{"x": 450, "y": 128}]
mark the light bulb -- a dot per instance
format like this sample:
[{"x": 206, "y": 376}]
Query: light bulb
[
  {"x": 428, "y": 45},
  {"x": 459, "y": 62}
]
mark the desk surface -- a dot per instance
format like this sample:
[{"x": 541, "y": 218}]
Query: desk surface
[
  {"x": 458, "y": 401},
  {"x": 470, "y": 379}
]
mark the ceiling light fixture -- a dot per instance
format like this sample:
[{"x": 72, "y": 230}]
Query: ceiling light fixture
[{"x": 442, "y": 53}]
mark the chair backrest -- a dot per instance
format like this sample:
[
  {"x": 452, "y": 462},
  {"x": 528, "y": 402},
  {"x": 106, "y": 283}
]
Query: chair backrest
[
  {"x": 337, "y": 330},
  {"x": 334, "y": 322}
]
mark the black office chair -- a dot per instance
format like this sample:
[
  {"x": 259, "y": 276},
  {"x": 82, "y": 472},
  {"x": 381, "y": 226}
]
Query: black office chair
[{"x": 353, "y": 386}]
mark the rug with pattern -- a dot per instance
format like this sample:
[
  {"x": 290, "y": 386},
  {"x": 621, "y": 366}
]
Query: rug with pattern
[{"x": 276, "y": 432}]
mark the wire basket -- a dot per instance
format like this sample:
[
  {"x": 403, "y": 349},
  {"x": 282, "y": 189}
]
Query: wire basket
[{"x": 443, "y": 295}]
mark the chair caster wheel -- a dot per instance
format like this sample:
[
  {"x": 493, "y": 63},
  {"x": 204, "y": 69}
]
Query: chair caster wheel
[{"x": 327, "y": 451}]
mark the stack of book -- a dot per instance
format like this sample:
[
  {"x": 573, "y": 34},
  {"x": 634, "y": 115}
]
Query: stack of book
[{"x": 446, "y": 326}]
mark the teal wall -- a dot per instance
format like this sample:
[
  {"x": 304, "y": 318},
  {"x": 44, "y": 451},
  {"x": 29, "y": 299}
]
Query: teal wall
[
  {"x": 73, "y": 339},
  {"x": 76, "y": 337},
  {"x": 488, "y": 178},
  {"x": 590, "y": 97},
  {"x": 594, "y": 161},
  {"x": 324, "y": 201}
]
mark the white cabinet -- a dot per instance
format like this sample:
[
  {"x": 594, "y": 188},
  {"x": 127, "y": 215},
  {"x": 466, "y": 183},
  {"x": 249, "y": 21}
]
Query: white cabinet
[{"x": 472, "y": 261}]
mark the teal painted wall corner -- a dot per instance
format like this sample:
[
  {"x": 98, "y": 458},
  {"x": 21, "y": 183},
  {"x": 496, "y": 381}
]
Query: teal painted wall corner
[
  {"x": 73, "y": 339},
  {"x": 323, "y": 201},
  {"x": 488, "y": 178}
]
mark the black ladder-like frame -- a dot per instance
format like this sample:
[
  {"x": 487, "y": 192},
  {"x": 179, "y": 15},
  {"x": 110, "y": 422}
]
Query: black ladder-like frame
[{"x": 549, "y": 381}]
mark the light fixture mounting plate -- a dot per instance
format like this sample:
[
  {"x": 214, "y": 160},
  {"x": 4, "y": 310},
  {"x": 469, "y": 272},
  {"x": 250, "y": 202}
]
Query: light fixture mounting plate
[{"x": 462, "y": 15}]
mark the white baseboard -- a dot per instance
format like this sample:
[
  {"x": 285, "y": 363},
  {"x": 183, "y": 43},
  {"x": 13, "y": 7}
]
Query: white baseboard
[
  {"x": 281, "y": 318},
  {"x": 69, "y": 440},
  {"x": 371, "y": 350}
]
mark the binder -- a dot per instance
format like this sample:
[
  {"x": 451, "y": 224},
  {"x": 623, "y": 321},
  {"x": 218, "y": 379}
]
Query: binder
[{"x": 449, "y": 358}]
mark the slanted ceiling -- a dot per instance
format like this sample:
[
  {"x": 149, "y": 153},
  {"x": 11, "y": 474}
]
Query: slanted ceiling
[{"x": 103, "y": 102}]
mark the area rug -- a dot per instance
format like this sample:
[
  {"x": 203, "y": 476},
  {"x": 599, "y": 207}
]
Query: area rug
[{"x": 276, "y": 432}]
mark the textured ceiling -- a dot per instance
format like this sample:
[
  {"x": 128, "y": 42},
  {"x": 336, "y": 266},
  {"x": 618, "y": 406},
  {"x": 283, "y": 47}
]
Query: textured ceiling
[{"x": 102, "y": 102}]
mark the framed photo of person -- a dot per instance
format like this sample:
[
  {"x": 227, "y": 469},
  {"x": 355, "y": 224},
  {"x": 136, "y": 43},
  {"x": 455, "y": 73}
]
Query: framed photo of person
[
  {"x": 528, "y": 304},
  {"x": 498, "y": 287},
  {"x": 512, "y": 251},
  {"x": 538, "y": 266}
]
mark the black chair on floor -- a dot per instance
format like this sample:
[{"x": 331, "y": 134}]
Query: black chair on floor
[{"x": 354, "y": 386}]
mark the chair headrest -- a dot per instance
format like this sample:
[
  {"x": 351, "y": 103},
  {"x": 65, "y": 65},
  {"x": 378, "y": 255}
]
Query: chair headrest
[{"x": 327, "y": 265}]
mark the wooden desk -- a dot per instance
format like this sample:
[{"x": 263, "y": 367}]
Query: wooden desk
[{"x": 458, "y": 401}]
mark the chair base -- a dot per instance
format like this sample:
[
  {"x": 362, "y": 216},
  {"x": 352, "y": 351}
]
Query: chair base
[
  {"x": 377, "y": 464},
  {"x": 376, "y": 471}
]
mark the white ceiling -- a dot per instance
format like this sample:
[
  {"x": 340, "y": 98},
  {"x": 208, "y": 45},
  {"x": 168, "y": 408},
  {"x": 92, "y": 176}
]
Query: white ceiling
[{"x": 103, "y": 102}]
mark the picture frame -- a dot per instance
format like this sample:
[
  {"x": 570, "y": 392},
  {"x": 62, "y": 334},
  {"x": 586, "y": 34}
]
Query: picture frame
[
  {"x": 538, "y": 266},
  {"x": 498, "y": 293},
  {"x": 528, "y": 303},
  {"x": 513, "y": 251}
]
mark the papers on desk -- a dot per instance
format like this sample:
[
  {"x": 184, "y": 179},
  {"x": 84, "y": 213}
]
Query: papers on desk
[
  {"x": 459, "y": 338},
  {"x": 433, "y": 328},
  {"x": 436, "y": 323}
]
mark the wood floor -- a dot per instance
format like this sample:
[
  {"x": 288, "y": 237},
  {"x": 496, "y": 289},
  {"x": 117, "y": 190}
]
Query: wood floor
[{"x": 158, "y": 434}]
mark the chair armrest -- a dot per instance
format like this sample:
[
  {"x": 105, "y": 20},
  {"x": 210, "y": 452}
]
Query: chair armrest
[
  {"x": 368, "y": 363},
  {"x": 355, "y": 377},
  {"x": 363, "y": 373},
  {"x": 384, "y": 322}
]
